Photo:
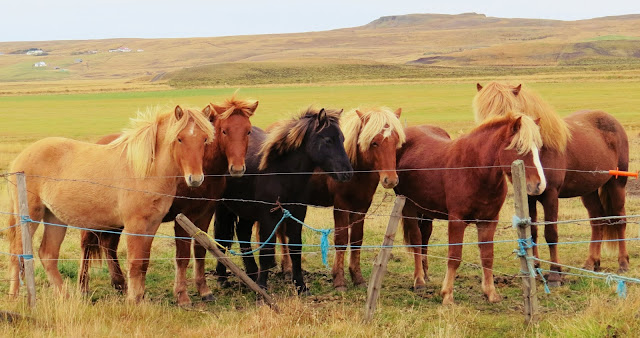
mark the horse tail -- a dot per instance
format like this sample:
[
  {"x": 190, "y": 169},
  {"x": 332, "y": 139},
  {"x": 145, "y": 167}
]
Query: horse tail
[
  {"x": 611, "y": 228},
  {"x": 90, "y": 244}
]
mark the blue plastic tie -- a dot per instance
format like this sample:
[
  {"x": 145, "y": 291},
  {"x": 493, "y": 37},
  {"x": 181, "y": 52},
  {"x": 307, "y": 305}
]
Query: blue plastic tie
[
  {"x": 544, "y": 281},
  {"x": 622, "y": 289},
  {"x": 26, "y": 257},
  {"x": 324, "y": 240}
]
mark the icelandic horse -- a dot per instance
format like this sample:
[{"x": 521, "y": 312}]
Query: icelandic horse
[
  {"x": 576, "y": 151},
  {"x": 127, "y": 184},
  {"x": 225, "y": 154},
  {"x": 467, "y": 185}
]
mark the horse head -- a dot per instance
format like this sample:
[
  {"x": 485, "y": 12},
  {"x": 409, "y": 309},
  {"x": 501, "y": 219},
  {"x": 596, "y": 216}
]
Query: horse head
[
  {"x": 233, "y": 127},
  {"x": 523, "y": 142},
  {"x": 189, "y": 143},
  {"x": 324, "y": 145}
]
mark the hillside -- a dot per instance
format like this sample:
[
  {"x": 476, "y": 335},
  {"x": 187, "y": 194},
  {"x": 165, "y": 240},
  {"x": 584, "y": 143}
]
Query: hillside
[{"x": 464, "y": 40}]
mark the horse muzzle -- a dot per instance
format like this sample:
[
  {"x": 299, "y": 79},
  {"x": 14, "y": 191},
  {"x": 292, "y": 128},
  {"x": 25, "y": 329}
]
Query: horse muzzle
[
  {"x": 536, "y": 189},
  {"x": 389, "y": 183},
  {"x": 194, "y": 181},
  {"x": 234, "y": 172}
]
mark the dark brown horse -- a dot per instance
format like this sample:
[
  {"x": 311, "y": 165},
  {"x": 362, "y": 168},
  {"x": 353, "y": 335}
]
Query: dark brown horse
[
  {"x": 576, "y": 148},
  {"x": 474, "y": 193},
  {"x": 225, "y": 154}
]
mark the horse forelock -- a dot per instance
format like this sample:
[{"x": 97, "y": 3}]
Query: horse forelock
[
  {"x": 359, "y": 131},
  {"x": 528, "y": 136},
  {"x": 234, "y": 105},
  {"x": 288, "y": 135},
  {"x": 498, "y": 99},
  {"x": 140, "y": 140}
]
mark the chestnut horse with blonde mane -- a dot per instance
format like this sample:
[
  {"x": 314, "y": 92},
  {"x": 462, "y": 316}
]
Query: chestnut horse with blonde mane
[
  {"x": 577, "y": 149},
  {"x": 128, "y": 184},
  {"x": 225, "y": 154},
  {"x": 371, "y": 139},
  {"x": 467, "y": 185}
]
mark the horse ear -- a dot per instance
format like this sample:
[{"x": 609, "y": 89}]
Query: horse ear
[
  {"x": 479, "y": 86},
  {"x": 208, "y": 113},
  {"x": 253, "y": 107},
  {"x": 217, "y": 109},
  {"x": 359, "y": 113},
  {"x": 537, "y": 121},
  {"x": 398, "y": 112},
  {"x": 179, "y": 113},
  {"x": 516, "y": 90},
  {"x": 322, "y": 115},
  {"x": 515, "y": 125}
]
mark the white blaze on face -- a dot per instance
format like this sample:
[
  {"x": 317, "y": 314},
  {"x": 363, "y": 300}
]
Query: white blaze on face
[
  {"x": 536, "y": 162},
  {"x": 386, "y": 132},
  {"x": 192, "y": 129}
]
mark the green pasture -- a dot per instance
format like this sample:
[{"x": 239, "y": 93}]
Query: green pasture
[{"x": 579, "y": 308}]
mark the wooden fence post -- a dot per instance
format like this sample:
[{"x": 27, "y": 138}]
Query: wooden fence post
[
  {"x": 380, "y": 265},
  {"x": 27, "y": 246},
  {"x": 524, "y": 236},
  {"x": 204, "y": 240}
]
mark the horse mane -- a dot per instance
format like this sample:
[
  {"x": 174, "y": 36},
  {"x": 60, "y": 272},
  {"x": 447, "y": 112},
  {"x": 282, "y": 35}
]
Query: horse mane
[
  {"x": 234, "y": 105},
  {"x": 359, "y": 130},
  {"x": 287, "y": 135},
  {"x": 499, "y": 99},
  {"x": 527, "y": 136},
  {"x": 141, "y": 137}
]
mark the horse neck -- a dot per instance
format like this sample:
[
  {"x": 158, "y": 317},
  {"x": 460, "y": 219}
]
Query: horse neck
[
  {"x": 164, "y": 163},
  {"x": 479, "y": 150},
  {"x": 215, "y": 161},
  {"x": 295, "y": 161}
]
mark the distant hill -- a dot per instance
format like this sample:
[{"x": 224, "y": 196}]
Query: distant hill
[{"x": 427, "y": 40}]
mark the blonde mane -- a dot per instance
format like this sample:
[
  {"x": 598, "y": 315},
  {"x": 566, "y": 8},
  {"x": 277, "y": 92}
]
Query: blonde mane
[
  {"x": 288, "y": 135},
  {"x": 497, "y": 99},
  {"x": 527, "y": 136},
  {"x": 359, "y": 131},
  {"x": 233, "y": 105},
  {"x": 139, "y": 141}
]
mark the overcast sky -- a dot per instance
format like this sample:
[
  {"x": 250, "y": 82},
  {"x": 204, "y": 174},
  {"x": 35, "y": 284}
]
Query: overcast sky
[{"x": 36, "y": 20}]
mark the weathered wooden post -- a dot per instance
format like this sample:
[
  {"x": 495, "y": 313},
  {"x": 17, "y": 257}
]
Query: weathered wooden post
[
  {"x": 204, "y": 240},
  {"x": 27, "y": 246},
  {"x": 380, "y": 265},
  {"x": 523, "y": 226}
]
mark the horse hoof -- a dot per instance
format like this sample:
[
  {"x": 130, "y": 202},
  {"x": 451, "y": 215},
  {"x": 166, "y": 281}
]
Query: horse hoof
[
  {"x": 494, "y": 298},
  {"x": 419, "y": 287},
  {"x": 208, "y": 298},
  {"x": 223, "y": 283},
  {"x": 303, "y": 291},
  {"x": 623, "y": 270},
  {"x": 361, "y": 285},
  {"x": 341, "y": 288},
  {"x": 448, "y": 300}
]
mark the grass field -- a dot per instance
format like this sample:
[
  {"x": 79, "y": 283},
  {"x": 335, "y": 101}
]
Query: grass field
[{"x": 581, "y": 307}]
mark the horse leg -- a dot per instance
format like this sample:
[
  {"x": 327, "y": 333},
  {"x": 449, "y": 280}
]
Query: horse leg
[
  {"x": 533, "y": 214},
  {"x": 456, "y": 236},
  {"x": 355, "y": 241},
  {"x": 244, "y": 230},
  {"x": 294, "y": 232},
  {"x": 550, "y": 206},
  {"x": 183, "y": 255},
  {"x": 486, "y": 233},
  {"x": 223, "y": 227},
  {"x": 592, "y": 202},
  {"x": 613, "y": 197},
  {"x": 50, "y": 249},
  {"x": 110, "y": 241},
  {"x": 285, "y": 261},
  {"x": 199, "y": 253},
  {"x": 414, "y": 238},
  {"x": 90, "y": 247},
  {"x": 341, "y": 239},
  {"x": 426, "y": 228},
  {"x": 139, "y": 250},
  {"x": 267, "y": 253}
]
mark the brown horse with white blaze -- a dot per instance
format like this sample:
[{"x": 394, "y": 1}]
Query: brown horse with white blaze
[
  {"x": 225, "y": 154},
  {"x": 138, "y": 175},
  {"x": 576, "y": 150},
  {"x": 467, "y": 185}
]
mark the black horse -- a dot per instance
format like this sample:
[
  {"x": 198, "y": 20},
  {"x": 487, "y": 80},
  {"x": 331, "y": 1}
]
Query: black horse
[{"x": 279, "y": 166}]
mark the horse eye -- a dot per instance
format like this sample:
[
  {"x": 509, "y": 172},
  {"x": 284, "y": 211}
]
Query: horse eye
[
  {"x": 224, "y": 132},
  {"x": 374, "y": 145},
  {"x": 249, "y": 132},
  {"x": 179, "y": 140},
  {"x": 206, "y": 139}
]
